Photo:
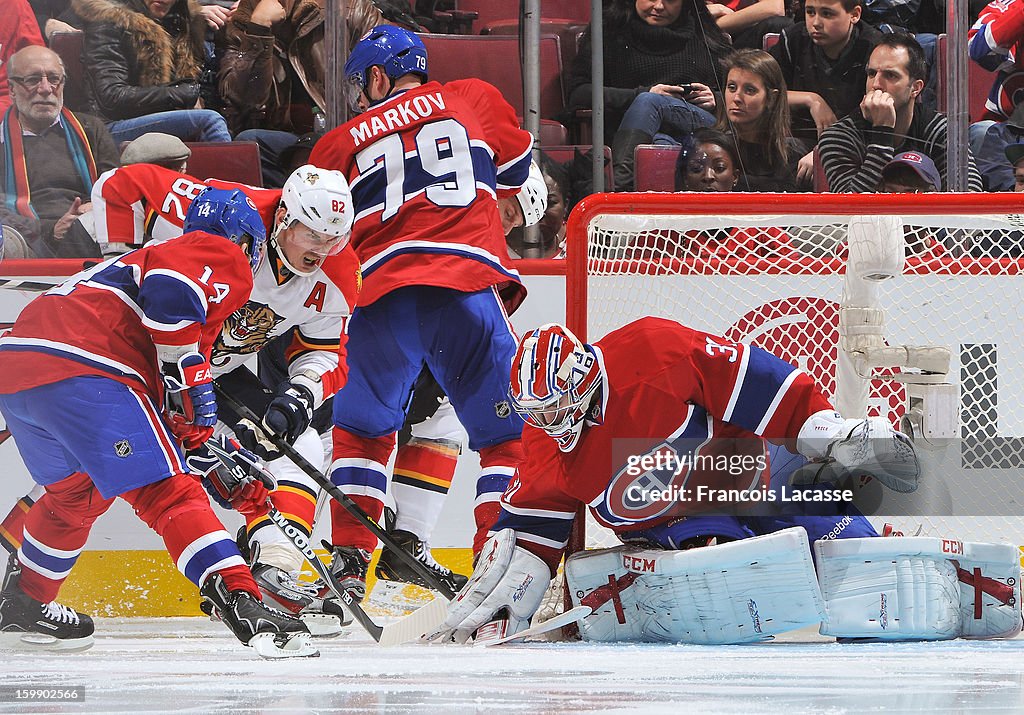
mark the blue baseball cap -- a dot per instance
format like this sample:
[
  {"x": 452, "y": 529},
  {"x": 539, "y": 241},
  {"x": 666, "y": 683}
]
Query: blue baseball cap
[{"x": 920, "y": 163}]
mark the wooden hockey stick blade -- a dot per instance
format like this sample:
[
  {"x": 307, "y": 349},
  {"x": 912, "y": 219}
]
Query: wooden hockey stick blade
[
  {"x": 412, "y": 627},
  {"x": 559, "y": 621},
  {"x": 350, "y": 506}
]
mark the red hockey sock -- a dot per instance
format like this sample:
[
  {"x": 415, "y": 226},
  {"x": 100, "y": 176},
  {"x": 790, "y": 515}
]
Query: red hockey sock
[
  {"x": 359, "y": 470},
  {"x": 55, "y": 530},
  {"x": 498, "y": 465}
]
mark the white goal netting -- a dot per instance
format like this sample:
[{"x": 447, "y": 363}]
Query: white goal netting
[{"x": 769, "y": 270}]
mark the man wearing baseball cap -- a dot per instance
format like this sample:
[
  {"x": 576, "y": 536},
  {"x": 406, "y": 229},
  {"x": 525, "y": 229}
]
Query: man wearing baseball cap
[{"x": 910, "y": 172}]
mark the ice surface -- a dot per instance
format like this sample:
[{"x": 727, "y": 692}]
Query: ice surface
[{"x": 190, "y": 665}]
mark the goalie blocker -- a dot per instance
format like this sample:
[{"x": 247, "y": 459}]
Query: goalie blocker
[{"x": 745, "y": 591}]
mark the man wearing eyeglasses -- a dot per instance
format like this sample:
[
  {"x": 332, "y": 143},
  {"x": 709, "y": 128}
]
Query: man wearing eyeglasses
[{"x": 50, "y": 157}]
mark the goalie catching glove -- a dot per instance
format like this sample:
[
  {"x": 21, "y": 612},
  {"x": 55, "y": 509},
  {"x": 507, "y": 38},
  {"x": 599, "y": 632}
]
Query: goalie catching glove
[
  {"x": 506, "y": 589},
  {"x": 233, "y": 476},
  {"x": 191, "y": 406},
  {"x": 853, "y": 447}
]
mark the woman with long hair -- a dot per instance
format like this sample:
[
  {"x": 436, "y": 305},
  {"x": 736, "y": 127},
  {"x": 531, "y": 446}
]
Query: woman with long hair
[
  {"x": 756, "y": 113},
  {"x": 661, "y": 63}
]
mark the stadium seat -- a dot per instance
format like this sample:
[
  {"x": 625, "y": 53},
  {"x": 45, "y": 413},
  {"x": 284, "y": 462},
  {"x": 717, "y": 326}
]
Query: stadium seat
[
  {"x": 553, "y": 133},
  {"x": 228, "y": 161},
  {"x": 979, "y": 82},
  {"x": 495, "y": 59},
  {"x": 69, "y": 46},
  {"x": 769, "y": 40},
  {"x": 491, "y": 11},
  {"x": 655, "y": 167},
  {"x": 567, "y": 152},
  {"x": 568, "y": 31}
]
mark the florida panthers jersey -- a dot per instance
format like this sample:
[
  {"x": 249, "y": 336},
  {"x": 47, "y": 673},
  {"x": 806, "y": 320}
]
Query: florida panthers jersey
[
  {"x": 679, "y": 397},
  {"x": 107, "y": 320},
  {"x": 425, "y": 166},
  {"x": 144, "y": 202},
  {"x": 138, "y": 203}
]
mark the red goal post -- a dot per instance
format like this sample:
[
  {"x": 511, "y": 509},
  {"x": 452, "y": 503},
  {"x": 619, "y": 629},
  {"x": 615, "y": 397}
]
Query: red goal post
[{"x": 769, "y": 269}]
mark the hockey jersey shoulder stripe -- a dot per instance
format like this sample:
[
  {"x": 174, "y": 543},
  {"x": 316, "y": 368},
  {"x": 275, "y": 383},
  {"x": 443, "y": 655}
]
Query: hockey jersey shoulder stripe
[
  {"x": 462, "y": 250},
  {"x": 513, "y": 173},
  {"x": 756, "y": 400}
]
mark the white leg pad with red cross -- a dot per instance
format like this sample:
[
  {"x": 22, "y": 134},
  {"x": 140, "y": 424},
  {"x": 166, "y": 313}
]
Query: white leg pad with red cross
[
  {"x": 919, "y": 588},
  {"x": 740, "y": 592}
]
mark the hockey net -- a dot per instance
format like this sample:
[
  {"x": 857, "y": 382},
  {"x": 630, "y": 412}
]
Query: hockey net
[{"x": 769, "y": 270}]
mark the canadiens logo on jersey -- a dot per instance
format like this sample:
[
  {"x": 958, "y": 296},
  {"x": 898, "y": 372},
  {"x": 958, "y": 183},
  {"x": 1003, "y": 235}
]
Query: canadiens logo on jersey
[{"x": 246, "y": 331}]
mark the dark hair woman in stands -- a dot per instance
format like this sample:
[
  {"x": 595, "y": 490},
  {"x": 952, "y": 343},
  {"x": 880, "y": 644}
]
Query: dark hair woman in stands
[
  {"x": 651, "y": 47},
  {"x": 708, "y": 162}
]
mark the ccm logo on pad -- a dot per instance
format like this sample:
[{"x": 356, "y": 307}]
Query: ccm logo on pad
[
  {"x": 637, "y": 563},
  {"x": 949, "y": 546}
]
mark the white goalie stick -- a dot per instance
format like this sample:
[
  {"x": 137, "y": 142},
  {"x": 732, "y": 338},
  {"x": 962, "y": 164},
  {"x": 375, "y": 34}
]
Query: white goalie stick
[{"x": 407, "y": 629}]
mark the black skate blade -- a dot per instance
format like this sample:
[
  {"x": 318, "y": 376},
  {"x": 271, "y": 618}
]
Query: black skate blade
[{"x": 39, "y": 642}]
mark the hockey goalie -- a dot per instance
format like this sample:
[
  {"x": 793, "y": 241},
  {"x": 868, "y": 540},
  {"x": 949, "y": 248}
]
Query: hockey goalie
[{"x": 719, "y": 466}]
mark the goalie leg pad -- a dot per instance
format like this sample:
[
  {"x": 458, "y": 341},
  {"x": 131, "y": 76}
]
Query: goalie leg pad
[
  {"x": 919, "y": 588},
  {"x": 740, "y": 592}
]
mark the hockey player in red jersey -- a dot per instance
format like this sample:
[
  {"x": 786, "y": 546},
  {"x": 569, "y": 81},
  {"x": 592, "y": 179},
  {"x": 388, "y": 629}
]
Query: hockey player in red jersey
[
  {"x": 100, "y": 379},
  {"x": 426, "y": 163},
  {"x": 650, "y": 389},
  {"x": 303, "y": 292}
]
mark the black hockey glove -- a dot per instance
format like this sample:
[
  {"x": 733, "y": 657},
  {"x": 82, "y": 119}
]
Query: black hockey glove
[{"x": 289, "y": 414}]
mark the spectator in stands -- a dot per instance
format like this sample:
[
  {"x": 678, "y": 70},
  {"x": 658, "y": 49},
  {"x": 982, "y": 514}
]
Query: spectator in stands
[
  {"x": 551, "y": 227},
  {"x": 1015, "y": 155},
  {"x": 822, "y": 61},
  {"x": 909, "y": 172},
  {"x": 748, "y": 21},
  {"x": 989, "y": 141},
  {"x": 272, "y": 75},
  {"x": 17, "y": 30},
  {"x": 148, "y": 68},
  {"x": 650, "y": 46},
  {"x": 156, "y": 148},
  {"x": 708, "y": 162},
  {"x": 49, "y": 156},
  {"x": 995, "y": 44},
  {"x": 855, "y": 149},
  {"x": 755, "y": 111}
]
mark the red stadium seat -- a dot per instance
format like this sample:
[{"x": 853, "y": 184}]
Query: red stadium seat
[
  {"x": 495, "y": 59},
  {"x": 655, "y": 167},
  {"x": 490, "y": 11},
  {"x": 769, "y": 40},
  {"x": 568, "y": 31},
  {"x": 228, "y": 161}
]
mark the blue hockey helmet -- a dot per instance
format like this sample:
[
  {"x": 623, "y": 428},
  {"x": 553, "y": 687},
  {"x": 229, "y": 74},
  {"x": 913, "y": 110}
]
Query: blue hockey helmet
[
  {"x": 395, "y": 49},
  {"x": 231, "y": 214}
]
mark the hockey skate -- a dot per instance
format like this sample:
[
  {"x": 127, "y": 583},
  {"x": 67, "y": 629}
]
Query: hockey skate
[
  {"x": 283, "y": 590},
  {"x": 323, "y": 615},
  {"x": 271, "y": 633},
  {"x": 26, "y": 623},
  {"x": 349, "y": 565},
  {"x": 392, "y": 568}
]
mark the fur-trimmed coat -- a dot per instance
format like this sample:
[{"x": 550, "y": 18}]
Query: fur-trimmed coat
[
  {"x": 140, "y": 65},
  {"x": 257, "y": 71}
]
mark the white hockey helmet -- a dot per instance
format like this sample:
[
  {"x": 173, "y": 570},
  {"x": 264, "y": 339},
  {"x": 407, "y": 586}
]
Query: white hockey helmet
[
  {"x": 321, "y": 200},
  {"x": 533, "y": 197}
]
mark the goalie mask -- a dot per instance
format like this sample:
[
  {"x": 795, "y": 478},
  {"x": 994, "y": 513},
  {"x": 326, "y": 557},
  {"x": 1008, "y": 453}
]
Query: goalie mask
[
  {"x": 554, "y": 379},
  {"x": 231, "y": 214},
  {"x": 317, "y": 220}
]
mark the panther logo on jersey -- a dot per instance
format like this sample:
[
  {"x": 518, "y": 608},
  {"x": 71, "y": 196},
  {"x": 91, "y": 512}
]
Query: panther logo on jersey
[{"x": 245, "y": 331}]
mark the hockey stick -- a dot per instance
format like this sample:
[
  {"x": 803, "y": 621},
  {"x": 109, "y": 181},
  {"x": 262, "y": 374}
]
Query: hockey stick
[
  {"x": 559, "y": 621},
  {"x": 347, "y": 504},
  {"x": 407, "y": 629}
]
